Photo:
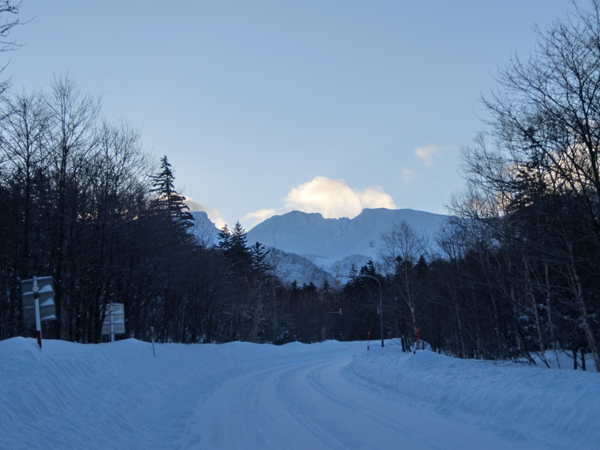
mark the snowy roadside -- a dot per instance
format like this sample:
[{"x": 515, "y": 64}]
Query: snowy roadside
[
  {"x": 558, "y": 407},
  {"x": 118, "y": 396}
]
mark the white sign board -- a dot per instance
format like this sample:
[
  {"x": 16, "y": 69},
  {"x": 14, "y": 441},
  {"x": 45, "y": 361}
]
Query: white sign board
[
  {"x": 114, "y": 319},
  {"x": 45, "y": 296}
]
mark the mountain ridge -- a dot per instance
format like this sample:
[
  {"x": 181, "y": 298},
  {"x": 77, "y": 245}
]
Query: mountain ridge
[
  {"x": 312, "y": 235},
  {"x": 309, "y": 246}
]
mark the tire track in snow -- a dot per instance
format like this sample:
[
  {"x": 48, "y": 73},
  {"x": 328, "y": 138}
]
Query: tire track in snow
[
  {"x": 382, "y": 418},
  {"x": 306, "y": 415},
  {"x": 313, "y": 405}
]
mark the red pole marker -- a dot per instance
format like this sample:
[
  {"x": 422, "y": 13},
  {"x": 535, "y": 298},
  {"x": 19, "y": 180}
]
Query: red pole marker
[
  {"x": 368, "y": 340},
  {"x": 38, "y": 320},
  {"x": 416, "y": 340},
  {"x": 153, "y": 351}
]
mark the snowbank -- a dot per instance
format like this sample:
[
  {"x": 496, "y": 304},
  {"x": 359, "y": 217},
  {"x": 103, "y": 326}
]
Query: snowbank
[
  {"x": 513, "y": 399},
  {"x": 118, "y": 396}
]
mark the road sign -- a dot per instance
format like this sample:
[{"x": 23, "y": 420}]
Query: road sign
[
  {"x": 38, "y": 302},
  {"x": 45, "y": 297},
  {"x": 114, "y": 320}
]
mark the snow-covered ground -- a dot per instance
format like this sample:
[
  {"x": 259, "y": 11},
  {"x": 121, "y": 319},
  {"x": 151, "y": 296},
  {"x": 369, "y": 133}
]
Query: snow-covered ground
[{"x": 331, "y": 395}]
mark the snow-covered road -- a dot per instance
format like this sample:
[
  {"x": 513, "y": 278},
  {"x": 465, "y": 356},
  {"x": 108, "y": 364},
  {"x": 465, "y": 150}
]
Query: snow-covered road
[
  {"x": 322, "y": 405},
  {"x": 330, "y": 395}
]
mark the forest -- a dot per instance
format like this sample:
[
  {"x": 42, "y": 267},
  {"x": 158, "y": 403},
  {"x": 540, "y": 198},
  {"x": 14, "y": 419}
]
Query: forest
[{"x": 515, "y": 273}]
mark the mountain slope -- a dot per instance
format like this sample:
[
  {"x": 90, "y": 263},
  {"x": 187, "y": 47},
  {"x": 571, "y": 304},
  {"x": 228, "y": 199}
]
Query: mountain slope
[
  {"x": 204, "y": 229},
  {"x": 307, "y": 247},
  {"x": 291, "y": 267},
  {"x": 326, "y": 240}
]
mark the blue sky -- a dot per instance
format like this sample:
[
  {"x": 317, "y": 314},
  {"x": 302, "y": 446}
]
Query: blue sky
[{"x": 267, "y": 106}]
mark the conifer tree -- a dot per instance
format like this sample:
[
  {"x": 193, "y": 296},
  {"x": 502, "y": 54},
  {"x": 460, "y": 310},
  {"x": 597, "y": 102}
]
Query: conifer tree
[
  {"x": 235, "y": 246},
  {"x": 167, "y": 198},
  {"x": 224, "y": 238}
]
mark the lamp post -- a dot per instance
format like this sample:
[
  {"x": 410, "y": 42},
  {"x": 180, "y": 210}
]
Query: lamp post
[{"x": 380, "y": 303}]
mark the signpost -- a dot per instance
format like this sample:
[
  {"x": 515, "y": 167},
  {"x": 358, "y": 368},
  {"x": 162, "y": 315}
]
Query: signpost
[
  {"x": 114, "y": 320},
  {"x": 38, "y": 303}
]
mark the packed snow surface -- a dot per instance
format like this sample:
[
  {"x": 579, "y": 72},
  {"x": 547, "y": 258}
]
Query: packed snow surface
[{"x": 330, "y": 395}]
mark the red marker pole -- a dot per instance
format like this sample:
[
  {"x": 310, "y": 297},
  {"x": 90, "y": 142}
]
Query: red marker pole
[
  {"x": 153, "y": 351},
  {"x": 416, "y": 340},
  {"x": 368, "y": 340},
  {"x": 38, "y": 321}
]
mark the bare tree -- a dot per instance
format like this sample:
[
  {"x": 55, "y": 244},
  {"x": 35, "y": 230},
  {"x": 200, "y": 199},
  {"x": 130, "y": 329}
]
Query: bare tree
[
  {"x": 8, "y": 10},
  {"x": 402, "y": 251},
  {"x": 24, "y": 150},
  {"x": 538, "y": 183}
]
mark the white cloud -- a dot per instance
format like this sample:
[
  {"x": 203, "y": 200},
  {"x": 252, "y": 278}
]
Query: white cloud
[
  {"x": 335, "y": 199},
  {"x": 193, "y": 204},
  {"x": 374, "y": 197},
  {"x": 254, "y": 218},
  {"x": 427, "y": 153},
  {"x": 406, "y": 175},
  {"x": 332, "y": 198},
  {"x": 212, "y": 213}
]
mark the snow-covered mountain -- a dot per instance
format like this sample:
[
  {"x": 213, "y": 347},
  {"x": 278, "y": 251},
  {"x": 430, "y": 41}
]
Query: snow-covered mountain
[
  {"x": 291, "y": 267},
  {"x": 331, "y": 242},
  {"x": 318, "y": 238},
  {"x": 204, "y": 229},
  {"x": 309, "y": 247}
]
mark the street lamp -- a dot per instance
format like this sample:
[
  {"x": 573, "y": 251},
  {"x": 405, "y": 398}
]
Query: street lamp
[{"x": 380, "y": 303}]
